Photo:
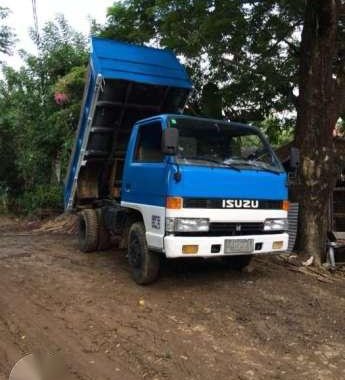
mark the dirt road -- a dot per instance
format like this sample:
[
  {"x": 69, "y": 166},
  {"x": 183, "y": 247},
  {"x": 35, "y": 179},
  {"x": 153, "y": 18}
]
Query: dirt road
[{"x": 200, "y": 321}]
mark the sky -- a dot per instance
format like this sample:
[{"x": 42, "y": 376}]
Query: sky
[{"x": 77, "y": 12}]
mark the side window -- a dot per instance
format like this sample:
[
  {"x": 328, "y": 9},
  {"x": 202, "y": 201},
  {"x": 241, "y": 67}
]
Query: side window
[{"x": 148, "y": 148}]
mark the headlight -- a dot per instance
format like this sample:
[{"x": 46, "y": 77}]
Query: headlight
[
  {"x": 276, "y": 224},
  {"x": 186, "y": 225}
]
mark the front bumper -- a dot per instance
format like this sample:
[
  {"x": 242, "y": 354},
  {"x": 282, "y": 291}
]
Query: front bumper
[{"x": 173, "y": 244}]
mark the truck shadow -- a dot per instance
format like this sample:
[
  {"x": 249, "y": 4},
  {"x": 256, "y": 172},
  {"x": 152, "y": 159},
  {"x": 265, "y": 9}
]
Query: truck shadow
[{"x": 200, "y": 271}]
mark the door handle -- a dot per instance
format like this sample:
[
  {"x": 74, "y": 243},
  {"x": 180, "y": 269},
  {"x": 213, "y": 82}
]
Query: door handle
[{"x": 127, "y": 187}]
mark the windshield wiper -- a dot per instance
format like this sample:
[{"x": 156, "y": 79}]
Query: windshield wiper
[
  {"x": 255, "y": 164},
  {"x": 252, "y": 163},
  {"x": 212, "y": 160}
]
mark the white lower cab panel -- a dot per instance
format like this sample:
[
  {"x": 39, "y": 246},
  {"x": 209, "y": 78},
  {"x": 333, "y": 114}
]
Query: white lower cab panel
[
  {"x": 173, "y": 245},
  {"x": 154, "y": 220}
]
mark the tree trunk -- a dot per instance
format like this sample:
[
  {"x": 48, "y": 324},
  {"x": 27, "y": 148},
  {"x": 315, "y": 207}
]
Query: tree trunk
[{"x": 316, "y": 118}]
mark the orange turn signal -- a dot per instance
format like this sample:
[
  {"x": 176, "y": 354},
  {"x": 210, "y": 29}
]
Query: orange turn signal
[
  {"x": 190, "y": 249},
  {"x": 285, "y": 206},
  {"x": 174, "y": 202}
]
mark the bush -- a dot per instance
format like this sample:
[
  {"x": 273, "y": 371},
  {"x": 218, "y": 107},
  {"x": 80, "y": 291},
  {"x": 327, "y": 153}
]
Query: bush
[{"x": 40, "y": 198}]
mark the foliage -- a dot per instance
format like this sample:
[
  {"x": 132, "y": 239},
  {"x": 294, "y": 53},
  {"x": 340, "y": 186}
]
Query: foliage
[
  {"x": 279, "y": 130},
  {"x": 46, "y": 196},
  {"x": 6, "y": 33},
  {"x": 72, "y": 84},
  {"x": 36, "y": 131}
]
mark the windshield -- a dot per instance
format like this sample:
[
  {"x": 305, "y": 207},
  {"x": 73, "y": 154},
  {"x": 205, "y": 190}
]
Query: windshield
[{"x": 212, "y": 143}]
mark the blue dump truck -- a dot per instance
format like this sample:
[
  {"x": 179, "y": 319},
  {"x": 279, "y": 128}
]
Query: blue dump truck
[{"x": 161, "y": 183}]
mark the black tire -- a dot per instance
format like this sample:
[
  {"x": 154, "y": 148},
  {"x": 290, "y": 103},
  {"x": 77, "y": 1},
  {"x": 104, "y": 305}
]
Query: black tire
[
  {"x": 144, "y": 264},
  {"x": 237, "y": 262},
  {"x": 104, "y": 238},
  {"x": 88, "y": 230}
]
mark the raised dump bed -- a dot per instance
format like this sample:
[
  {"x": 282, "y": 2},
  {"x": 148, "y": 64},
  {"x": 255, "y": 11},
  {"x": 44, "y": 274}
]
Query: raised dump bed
[{"x": 125, "y": 83}]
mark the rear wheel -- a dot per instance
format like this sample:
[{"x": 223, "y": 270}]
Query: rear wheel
[
  {"x": 88, "y": 230},
  {"x": 237, "y": 262},
  {"x": 144, "y": 263}
]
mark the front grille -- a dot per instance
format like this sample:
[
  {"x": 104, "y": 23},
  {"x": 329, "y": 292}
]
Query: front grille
[
  {"x": 218, "y": 203},
  {"x": 236, "y": 229}
]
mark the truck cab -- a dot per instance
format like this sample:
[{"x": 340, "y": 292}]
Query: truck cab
[
  {"x": 216, "y": 190},
  {"x": 161, "y": 183}
]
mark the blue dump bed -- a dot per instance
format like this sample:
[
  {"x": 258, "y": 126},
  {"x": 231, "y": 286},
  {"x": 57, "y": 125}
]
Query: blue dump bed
[{"x": 125, "y": 83}]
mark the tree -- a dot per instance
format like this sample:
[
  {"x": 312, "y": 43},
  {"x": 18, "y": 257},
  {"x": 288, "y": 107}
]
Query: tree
[
  {"x": 6, "y": 33},
  {"x": 42, "y": 129},
  {"x": 321, "y": 102}
]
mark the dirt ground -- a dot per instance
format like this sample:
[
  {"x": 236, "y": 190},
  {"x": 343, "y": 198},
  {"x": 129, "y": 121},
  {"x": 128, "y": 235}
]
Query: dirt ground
[{"x": 199, "y": 321}]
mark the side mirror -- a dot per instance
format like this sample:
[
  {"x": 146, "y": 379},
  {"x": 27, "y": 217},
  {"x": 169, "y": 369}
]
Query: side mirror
[
  {"x": 294, "y": 158},
  {"x": 170, "y": 141}
]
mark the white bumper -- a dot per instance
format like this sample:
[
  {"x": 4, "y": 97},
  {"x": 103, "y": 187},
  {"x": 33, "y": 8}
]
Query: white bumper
[{"x": 173, "y": 244}]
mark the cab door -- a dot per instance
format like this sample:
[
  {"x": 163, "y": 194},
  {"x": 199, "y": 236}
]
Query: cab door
[{"x": 144, "y": 182}]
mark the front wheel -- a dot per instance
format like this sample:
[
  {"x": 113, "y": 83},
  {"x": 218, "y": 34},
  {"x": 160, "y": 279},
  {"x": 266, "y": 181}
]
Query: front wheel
[
  {"x": 144, "y": 263},
  {"x": 237, "y": 262}
]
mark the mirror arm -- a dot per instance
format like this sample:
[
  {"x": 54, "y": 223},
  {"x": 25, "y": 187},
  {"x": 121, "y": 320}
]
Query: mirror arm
[{"x": 177, "y": 174}]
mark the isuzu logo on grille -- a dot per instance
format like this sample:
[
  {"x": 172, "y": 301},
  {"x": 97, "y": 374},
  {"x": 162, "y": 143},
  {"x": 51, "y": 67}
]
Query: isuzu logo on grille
[{"x": 240, "y": 203}]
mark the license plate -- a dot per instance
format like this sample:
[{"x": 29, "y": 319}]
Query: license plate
[{"x": 239, "y": 246}]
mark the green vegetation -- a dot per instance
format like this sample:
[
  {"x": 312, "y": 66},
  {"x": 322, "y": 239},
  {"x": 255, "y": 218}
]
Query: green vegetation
[
  {"x": 6, "y": 33},
  {"x": 39, "y": 110}
]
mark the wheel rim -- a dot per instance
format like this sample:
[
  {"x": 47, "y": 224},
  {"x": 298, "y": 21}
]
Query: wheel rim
[{"x": 135, "y": 256}]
